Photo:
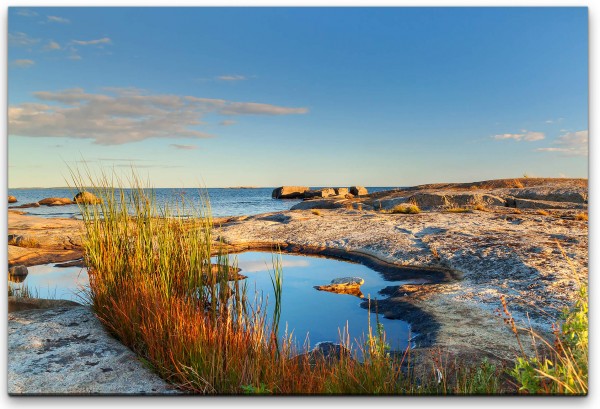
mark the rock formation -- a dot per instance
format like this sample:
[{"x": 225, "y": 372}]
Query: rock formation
[
  {"x": 344, "y": 285},
  {"x": 55, "y": 201},
  {"x": 358, "y": 190},
  {"x": 289, "y": 192}
]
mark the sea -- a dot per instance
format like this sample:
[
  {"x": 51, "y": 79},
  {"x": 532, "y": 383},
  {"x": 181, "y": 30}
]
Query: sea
[{"x": 223, "y": 201}]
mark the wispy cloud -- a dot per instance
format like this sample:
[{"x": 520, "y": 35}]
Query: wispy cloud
[
  {"x": 20, "y": 39},
  {"x": 184, "y": 147},
  {"x": 255, "y": 108},
  {"x": 525, "y": 135},
  {"x": 52, "y": 46},
  {"x": 23, "y": 63},
  {"x": 104, "y": 40},
  {"x": 232, "y": 78},
  {"x": 117, "y": 118},
  {"x": 570, "y": 144},
  {"x": 227, "y": 122},
  {"x": 56, "y": 19},
  {"x": 27, "y": 13}
]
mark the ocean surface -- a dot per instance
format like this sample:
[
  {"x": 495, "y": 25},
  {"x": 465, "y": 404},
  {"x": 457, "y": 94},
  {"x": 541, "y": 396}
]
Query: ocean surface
[{"x": 223, "y": 201}]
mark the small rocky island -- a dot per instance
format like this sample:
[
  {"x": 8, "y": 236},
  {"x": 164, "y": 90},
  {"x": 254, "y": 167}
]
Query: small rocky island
[{"x": 525, "y": 240}]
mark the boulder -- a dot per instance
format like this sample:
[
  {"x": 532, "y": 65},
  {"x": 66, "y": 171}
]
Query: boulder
[
  {"x": 344, "y": 285},
  {"x": 18, "y": 271},
  {"x": 323, "y": 193},
  {"x": 26, "y": 205},
  {"x": 12, "y": 199},
  {"x": 289, "y": 192},
  {"x": 358, "y": 190},
  {"x": 341, "y": 191},
  {"x": 55, "y": 201},
  {"x": 86, "y": 198}
]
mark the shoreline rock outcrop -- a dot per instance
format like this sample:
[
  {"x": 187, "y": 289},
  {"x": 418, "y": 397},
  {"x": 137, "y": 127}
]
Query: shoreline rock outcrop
[
  {"x": 12, "y": 199},
  {"x": 56, "y": 201}
]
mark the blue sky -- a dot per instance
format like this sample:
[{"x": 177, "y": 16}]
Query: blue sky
[{"x": 309, "y": 96}]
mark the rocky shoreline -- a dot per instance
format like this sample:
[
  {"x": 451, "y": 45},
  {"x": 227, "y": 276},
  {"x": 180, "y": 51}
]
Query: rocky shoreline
[{"x": 524, "y": 239}]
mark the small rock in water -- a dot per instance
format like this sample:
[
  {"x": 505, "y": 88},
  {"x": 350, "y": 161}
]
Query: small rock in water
[
  {"x": 344, "y": 285},
  {"x": 17, "y": 273}
]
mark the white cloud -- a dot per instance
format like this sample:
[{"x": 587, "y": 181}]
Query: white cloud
[
  {"x": 528, "y": 136},
  {"x": 126, "y": 116},
  {"x": 570, "y": 144},
  {"x": 56, "y": 19},
  {"x": 227, "y": 122},
  {"x": 23, "y": 63},
  {"x": 19, "y": 39},
  {"x": 104, "y": 40},
  {"x": 232, "y": 78},
  {"x": 52, "y": 46},
  {"x": 184, "y": 147},
  {"x": 27, "y": 13},
  {"x": 255, "y": 108}
]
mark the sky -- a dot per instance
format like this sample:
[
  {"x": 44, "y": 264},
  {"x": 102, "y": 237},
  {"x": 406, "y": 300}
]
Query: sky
[{"x": 222, "y": 97}]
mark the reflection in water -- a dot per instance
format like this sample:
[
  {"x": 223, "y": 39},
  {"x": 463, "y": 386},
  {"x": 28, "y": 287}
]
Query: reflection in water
[
  {"x": 16, "y": 279},
  {"x": 320, "y": 315},
  {"x": 310, "y": 315},
  {"x": 48, "y": 281}
]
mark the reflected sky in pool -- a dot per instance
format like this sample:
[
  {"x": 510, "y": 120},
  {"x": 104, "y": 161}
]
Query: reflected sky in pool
[{"x": 63, "y": 283}]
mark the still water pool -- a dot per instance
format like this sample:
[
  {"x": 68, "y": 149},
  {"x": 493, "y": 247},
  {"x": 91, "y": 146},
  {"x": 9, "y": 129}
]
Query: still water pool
[{"x": 310, "y": 315}]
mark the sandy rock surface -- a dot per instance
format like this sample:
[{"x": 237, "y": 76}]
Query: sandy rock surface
[
  {"x": 66, "y": 351},
  {"x": 59, "y": 239}
]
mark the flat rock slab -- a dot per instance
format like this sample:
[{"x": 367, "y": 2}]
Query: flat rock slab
[{"x": 67, "y": 351}]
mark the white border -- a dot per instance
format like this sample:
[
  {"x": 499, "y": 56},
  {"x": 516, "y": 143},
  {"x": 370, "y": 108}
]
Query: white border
[{"x": 475, "y": 402}]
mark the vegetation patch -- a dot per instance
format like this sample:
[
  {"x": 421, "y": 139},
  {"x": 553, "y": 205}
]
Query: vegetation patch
[{"x": 404, "y": 208}]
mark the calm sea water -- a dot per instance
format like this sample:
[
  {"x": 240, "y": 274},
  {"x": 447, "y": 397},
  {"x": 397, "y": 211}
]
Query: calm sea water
[{"x": 224, "y": 201}]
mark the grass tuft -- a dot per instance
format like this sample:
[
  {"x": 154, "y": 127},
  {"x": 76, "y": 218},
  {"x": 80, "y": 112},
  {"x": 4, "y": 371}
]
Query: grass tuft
[{"x": 404, "y": 208}]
